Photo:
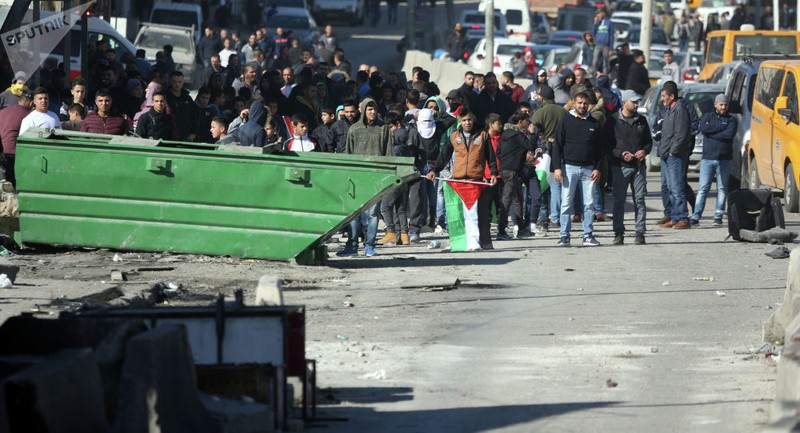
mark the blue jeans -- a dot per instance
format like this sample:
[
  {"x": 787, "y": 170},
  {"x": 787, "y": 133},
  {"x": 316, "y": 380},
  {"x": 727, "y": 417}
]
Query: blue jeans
[
  {"x": 441, "y": 217},
  {"x": 574, "y": 176},
  {"x": 555, "y": 202},
  {"x": 368, "y": 219},
  {"x": 636, "y": 178},
  {"x": 675, "y": 167},
  {"x": 709, "y": 168}
]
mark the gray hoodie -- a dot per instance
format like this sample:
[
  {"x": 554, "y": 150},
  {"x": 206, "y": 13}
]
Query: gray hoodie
[{"x": 369, "y": 139}]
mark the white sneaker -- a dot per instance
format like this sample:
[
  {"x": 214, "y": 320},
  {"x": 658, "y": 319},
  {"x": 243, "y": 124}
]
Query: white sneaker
[
  {"x": 514, "y": 231},
  {"x": 438, "y": 230}
]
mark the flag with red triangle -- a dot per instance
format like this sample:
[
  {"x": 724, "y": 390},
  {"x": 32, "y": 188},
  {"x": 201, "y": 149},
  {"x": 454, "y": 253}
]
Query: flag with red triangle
[{"x": 461, "y": 204}]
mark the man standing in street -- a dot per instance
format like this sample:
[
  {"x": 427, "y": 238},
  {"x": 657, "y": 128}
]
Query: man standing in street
[
  {"x": 470, "y": 149},
  {"x": 631, "y": 144},
  {"x": 545, "y": 119},
  {"x": 718, "y": 128},
  {"x": 519, "y": 137},
  {"x": 457, "y": 43},
  {"x": 576, "y": 153},
  {"x": 671, "y": 70},
  {"x": 492, "y": 100},
  {"x": 638, "y": 77},
  {"x": 184, "y": 109},
  {"x": 104, "y": 120},
  {"x": 674, "y": 150},
  {"x": 603, "y": 31},
  {"x": 369, "y": 136},
  {"x": 10, "y": 122},
  {"x": 40, "y": 117}
]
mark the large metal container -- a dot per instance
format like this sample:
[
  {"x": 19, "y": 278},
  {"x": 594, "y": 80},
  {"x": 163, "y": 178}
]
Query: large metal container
[{"x": 133, "y": 194}]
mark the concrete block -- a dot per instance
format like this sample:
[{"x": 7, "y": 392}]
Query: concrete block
[
  {"x": 775, "y": 327},
  {"x": 787, "y": 385},
  {"x": 62, "y": 394},
  {"x": 239, "y": 416},
  {"x": 157, "y": 386},
  {"x": 269, "y": 291}
]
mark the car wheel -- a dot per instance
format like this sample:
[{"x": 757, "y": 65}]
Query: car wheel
[
  {"x": 754, "y": 182},
  {"x": 790, "y": 193}
]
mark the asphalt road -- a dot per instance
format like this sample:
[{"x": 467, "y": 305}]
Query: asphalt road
[{"x": 544, "y": 338}]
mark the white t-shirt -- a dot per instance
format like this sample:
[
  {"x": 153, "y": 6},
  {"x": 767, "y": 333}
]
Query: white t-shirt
[
  {"x": 40, "y": 120},
  {"x": 224, "y": 56}
]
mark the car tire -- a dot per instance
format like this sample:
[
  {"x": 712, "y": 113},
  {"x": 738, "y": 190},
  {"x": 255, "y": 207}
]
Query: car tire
[
  {"x": 754, "y": 182},
  {"x": 791, "y": 196}
]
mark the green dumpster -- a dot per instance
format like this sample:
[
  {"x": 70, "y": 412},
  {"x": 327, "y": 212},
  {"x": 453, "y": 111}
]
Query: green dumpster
[{"x": 132, "y": 194}]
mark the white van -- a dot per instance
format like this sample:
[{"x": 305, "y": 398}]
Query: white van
[
  {"x": 179, "y": 14},
  {"x": 98, "y": 30},
  {"x": 518, "y": 17}
]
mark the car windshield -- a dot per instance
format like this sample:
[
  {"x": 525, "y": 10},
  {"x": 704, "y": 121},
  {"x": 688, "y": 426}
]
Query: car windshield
[
  {"x": 762, "y": 44},
  {"x": 288, "y": 21},
  {"x": 561, "y": 57},
  {"x": 629, "y": 7},
  {"x": 703, "y": 102},
  {"x": 658, "y": 36},
  {"x": 181, "y": 43},
  {"x": 174, "y": 18},
  {"x": 509, "y": 50},
  {"x": 479, "y": 19}
]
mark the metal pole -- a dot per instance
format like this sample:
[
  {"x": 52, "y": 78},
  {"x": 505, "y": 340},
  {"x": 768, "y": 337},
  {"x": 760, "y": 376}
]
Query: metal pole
[
  {"x": 797, "y": 16},
  {"x": 67, "y": 48},
  {"x": 84, "y": 44},
  {"x": 647, "y": 27},
  {"x": 489, "y": 24},
  {"x": 411, "y": 36}
]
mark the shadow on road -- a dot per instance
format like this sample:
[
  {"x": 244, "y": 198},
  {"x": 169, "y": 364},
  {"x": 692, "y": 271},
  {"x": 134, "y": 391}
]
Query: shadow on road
[
  {"x": 462, "y": 419},
  {"x": 417, "y": 262}
]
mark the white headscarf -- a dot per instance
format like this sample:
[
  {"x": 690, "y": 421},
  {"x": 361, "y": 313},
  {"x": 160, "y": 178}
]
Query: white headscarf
[{"x": 425, "y": 124}]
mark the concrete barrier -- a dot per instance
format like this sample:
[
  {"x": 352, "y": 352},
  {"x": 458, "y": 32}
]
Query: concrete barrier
[
  {"x": 158, "y": 386},
  {"x": 775, "y": 328},
  {"x": 62, "y": 394}
]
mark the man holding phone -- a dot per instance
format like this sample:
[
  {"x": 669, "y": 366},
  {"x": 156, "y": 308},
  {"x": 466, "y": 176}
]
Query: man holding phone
[{"x": 519, "y": 137}]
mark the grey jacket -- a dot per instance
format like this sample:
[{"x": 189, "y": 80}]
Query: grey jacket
[{"x": 676, "y": 137}]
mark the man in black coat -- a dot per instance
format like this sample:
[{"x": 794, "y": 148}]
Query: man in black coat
[
  {"x": 518, "y": 138},
  {"x": 457, "y": 43},
  {"x": 638, "y": 77},
  {"x": 492, "y": 100}
]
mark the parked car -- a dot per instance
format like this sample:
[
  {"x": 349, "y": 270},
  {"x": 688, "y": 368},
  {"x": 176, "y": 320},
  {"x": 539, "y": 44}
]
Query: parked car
[
  {"x": 299, "y": 22},
  {"x": 774, "y": 149},
  {"x": 152, "y": 38},
  {"x": 473, "y": 22},
  {"x": 575, "y": 18},
  {"x": 722, "y": 73},
  {"x": 504, "y": 49},
  {"x": 541, "y": 52},
  {"x": 701, "y": 95},
  {"x": 740, "y": 90},
  {"x": 690, "y": 63},
  {"x": 540, "y": 28},
  {"x": 565, "y": 38},
  {"x": 621, "y": 29},
  {"x": 178, "y": 14},
  {"x": 349, "y": 11},
  {"x": 517, "y": 15},
  {"x": 659, "y": 42}
]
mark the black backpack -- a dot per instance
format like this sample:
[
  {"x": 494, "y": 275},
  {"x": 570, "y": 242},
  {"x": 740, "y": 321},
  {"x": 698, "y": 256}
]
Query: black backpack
[{"x": 753, "y": 209}]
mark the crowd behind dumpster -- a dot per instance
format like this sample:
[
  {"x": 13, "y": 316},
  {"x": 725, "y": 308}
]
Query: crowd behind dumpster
[{"x": 548, "y": 153}]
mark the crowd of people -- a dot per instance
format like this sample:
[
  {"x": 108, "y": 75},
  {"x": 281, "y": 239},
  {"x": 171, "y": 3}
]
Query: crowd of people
[{"x": 547, "y": 151}]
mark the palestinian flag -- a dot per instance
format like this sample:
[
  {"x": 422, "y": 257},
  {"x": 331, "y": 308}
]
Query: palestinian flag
[
  {"x": 542, "y": 165},
  {"x": 461, "y": 205}
]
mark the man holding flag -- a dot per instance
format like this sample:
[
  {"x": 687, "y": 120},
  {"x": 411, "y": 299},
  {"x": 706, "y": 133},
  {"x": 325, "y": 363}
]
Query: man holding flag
[{"x": 466, "y": 198}]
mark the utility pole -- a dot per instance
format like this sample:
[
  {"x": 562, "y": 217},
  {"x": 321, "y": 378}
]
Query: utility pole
[
  {"x": 645, "y": 38},
  {"x": 489, "y": 59}
]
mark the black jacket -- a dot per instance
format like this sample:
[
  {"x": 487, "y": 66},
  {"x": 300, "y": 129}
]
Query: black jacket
[
  {"x": 484, "y": 104},
  {"x": 577, "y": 142},
  {"x": 638, "y": 78},
  {"x": 340, "y": 128},
  {"x": 325, "y": 137},
  {"x": 156, "y": 126},
  {"x": 630, "y": 136},
  {"x": 186, "y": 113},
  {"x": 514, "y": 146}
]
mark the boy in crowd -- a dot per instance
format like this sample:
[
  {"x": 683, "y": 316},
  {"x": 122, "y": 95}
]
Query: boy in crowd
[
  {"x": 300, "y": 141},
  {"x": 74, "y": 119},
  {"x": 324, "y": 132}
]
